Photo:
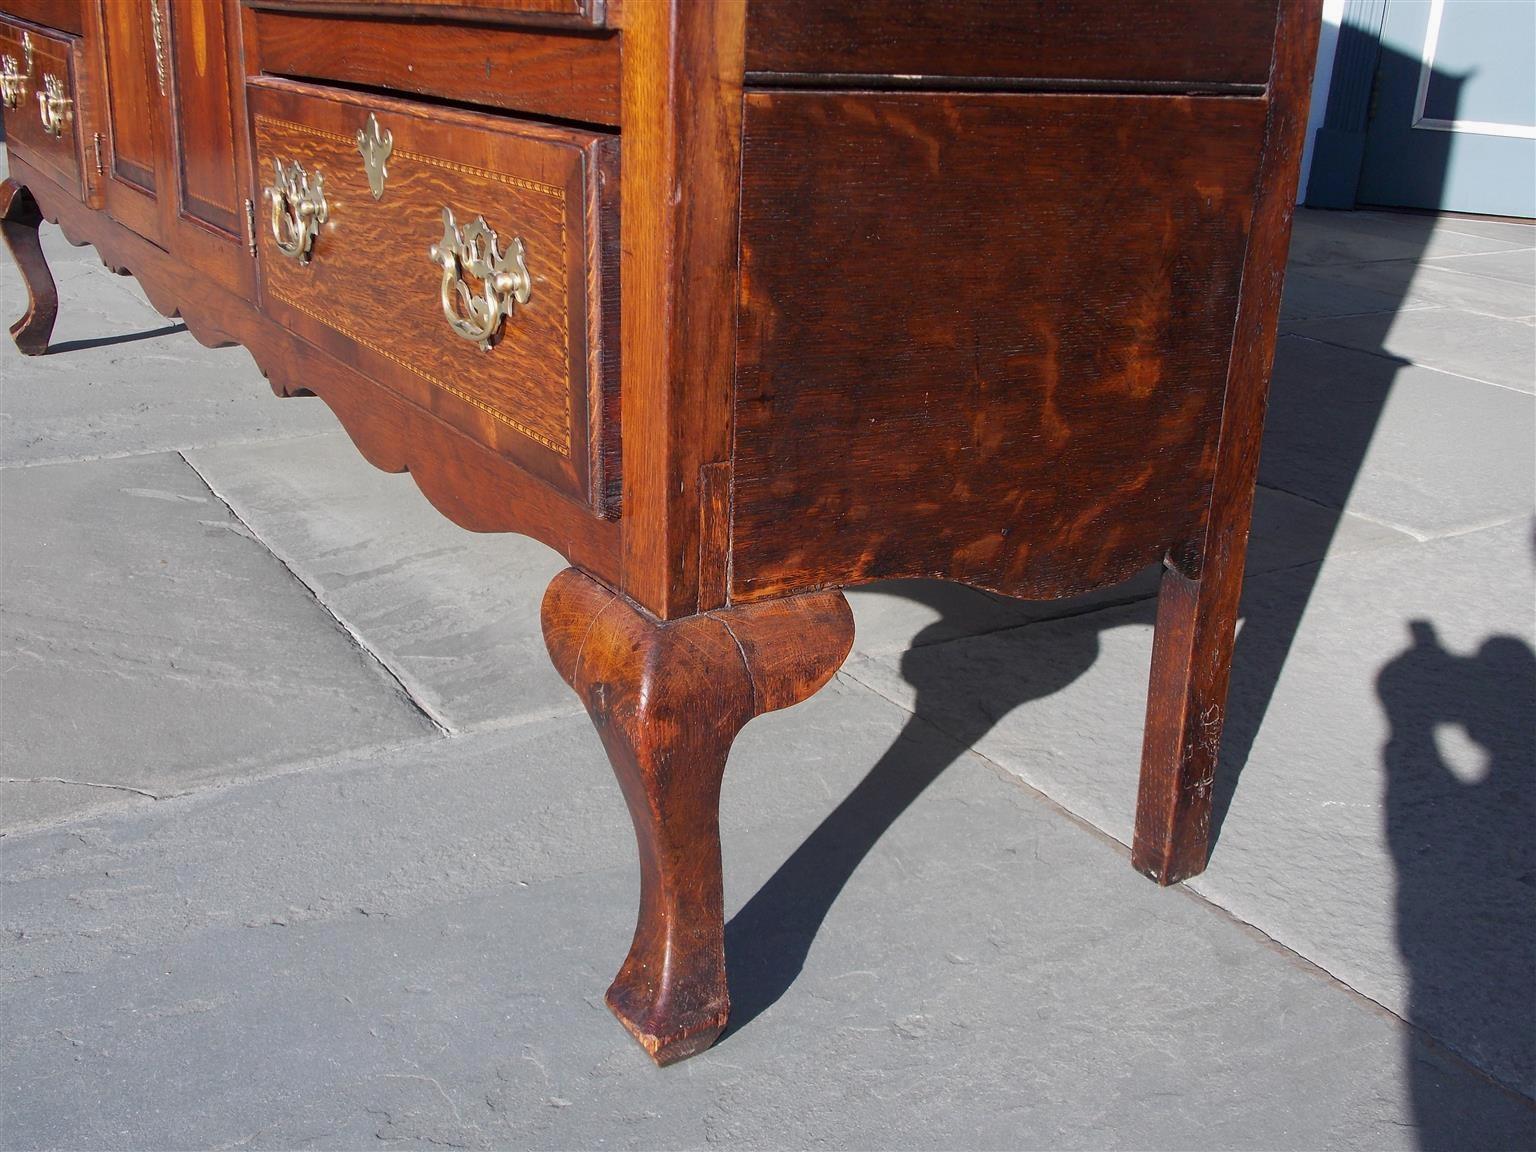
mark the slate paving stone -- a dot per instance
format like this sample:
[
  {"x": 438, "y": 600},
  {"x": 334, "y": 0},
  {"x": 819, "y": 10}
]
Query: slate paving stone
[
  {"x": 969, "y": 970},
  {"x": 1341, "y": 804},
  {"x": 1325, "y": 237},
  {"x": 153, "y": 645},
  {"x": 1517, "y": 266},
  {"x": 1310, "y": 297},
  {"x": 1444, "y": 284},
  {"x": 1396, "y": 443},
  {"x": 1485, "y": 348},
  {"x": 454, "y": 614},
  {"x": 1519, "y": 233}
]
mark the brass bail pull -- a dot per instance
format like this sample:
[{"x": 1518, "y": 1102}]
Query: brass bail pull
[{"x": 473, "y": 253}]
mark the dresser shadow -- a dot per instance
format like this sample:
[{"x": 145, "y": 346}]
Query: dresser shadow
[
  {"x": 62, "y": 346},
  {"x": 768, "y": 939}
]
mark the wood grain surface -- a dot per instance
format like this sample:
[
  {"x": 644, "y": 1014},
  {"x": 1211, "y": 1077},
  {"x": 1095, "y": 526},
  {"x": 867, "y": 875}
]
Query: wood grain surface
[
  {"x": 1191, "y": 41},
  {"x": 575, "y": 77},
  {"x": 682, "y": 136},
  {"x": 539, "y": 13},
  {"x": 134, "y": 120},
  {"x": 206, "y": 122},
  {"x": 668, "y": 698},
  {"x": 982, "y": 338},
  {"x": 65, "y": 15}
]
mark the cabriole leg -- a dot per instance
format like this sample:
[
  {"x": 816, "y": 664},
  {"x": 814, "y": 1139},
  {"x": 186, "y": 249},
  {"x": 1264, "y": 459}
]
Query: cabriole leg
[
  {"x": 19, "y": 220},
  {"x": 668, "y": 698}
]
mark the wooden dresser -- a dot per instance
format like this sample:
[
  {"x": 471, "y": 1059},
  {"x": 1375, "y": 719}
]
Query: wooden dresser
[{"x": 734, "y": 303}]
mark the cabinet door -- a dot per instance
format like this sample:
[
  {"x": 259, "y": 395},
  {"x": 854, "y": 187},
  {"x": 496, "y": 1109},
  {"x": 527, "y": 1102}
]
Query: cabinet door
[
  {"x": 207, "y": 157},
  {"x": 136, "y": 82},
  {"x": 179, "y": 169}
]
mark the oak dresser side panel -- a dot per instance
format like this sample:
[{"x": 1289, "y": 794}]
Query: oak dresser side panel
[{"x": 982, "y": 337}]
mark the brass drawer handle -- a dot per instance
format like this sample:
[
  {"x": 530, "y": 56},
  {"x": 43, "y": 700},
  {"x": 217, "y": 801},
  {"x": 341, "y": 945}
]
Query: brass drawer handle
[
  {"x": 53, "y": 107},
  {"x": 13, "y": 82},
  {"x": 298, "y": 209},
  {"x": 478, "y": 315}
]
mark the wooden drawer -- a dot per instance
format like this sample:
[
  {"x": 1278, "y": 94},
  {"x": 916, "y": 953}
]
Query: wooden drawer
[
  {"x": 541, "y": 13},
  {"x": 65, "y": 15},
  {"x": 373, "y": 292},
  {"x": 1186, "y": 43},
  {"x": 46, "y": 66},
  {"x": 526, "y": 70}
]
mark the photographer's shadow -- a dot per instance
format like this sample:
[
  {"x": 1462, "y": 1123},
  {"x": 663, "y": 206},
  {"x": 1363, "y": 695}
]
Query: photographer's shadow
[{"x": 1460, "y": 763}]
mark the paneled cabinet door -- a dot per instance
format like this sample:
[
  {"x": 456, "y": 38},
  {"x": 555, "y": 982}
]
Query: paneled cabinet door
[
  {"x": 130, "y": 37},
  {"x": 179, "y": 172}
]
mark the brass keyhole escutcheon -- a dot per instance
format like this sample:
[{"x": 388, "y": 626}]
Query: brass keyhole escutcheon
[{"x": 375, "y": 144}]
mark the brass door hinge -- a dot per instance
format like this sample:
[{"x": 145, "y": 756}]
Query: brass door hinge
[
  {"x": 101, "y": 168},
  {"x": 250, "y": 227}
]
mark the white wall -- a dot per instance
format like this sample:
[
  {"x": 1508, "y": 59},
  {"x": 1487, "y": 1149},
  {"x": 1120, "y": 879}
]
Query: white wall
[{"x": 1327, "y": 42}]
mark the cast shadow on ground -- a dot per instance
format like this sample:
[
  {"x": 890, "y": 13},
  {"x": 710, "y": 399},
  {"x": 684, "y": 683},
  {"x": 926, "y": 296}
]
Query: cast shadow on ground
[
  {"x": 63, "y": 346},
  {"x": 1460, "y": 763},
  {"x": 768, "y": 939}
]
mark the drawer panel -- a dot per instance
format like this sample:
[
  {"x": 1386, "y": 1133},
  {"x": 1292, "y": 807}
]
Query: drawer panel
[
  {"x": 549, "y": 13},
  {"x": 65, "y": 15},
  {"x": 43, "y": 66},
  {"x": 519, "y": 69},
  {"x": 374, "y": 291},
  {"x": 1118, "y": 41}
]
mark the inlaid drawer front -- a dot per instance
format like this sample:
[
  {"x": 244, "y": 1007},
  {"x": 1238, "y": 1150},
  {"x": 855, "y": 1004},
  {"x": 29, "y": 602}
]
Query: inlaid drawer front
[
  {"x": 37, "y": 89},
  {"x": 467, "y": 262}
]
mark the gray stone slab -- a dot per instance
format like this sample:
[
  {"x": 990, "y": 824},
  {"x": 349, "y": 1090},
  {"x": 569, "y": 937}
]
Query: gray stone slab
[
  {"x": 120, "y": 378},
  {"x": 1325, "y": 237},
  {"x": 412, "y": 950},
  {"x": 1520, "y": 233},
  {"x": 454, "y": 614},
  {"x": 1309, "y": 297},
  {"x": 1516, "y": 266},
  {"x": 1395, "y": 443},
  {"x": 151, "y": 644},
  {"x": 1345, "y": 839},
  {"x": 1441, "y": 284},
  {"x": 1486, "y": 348}
]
